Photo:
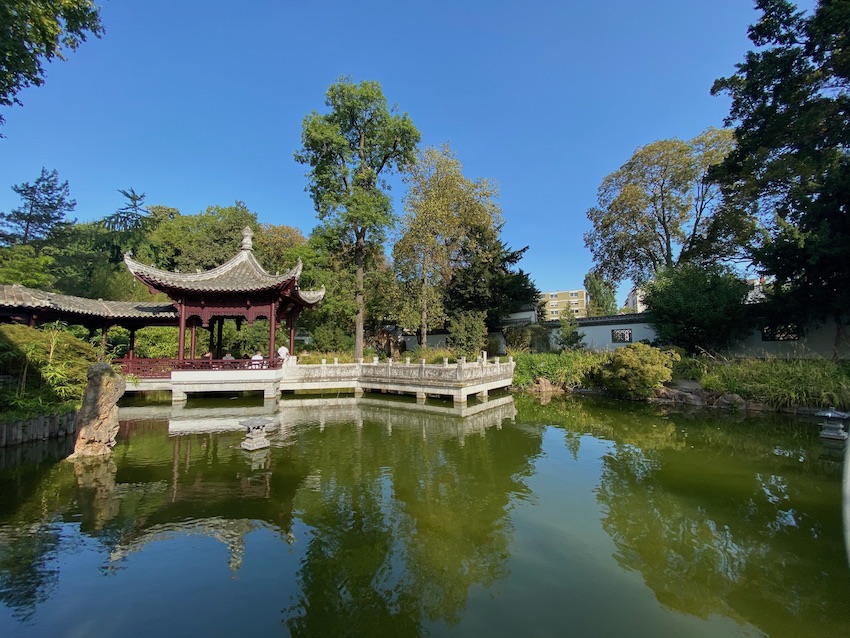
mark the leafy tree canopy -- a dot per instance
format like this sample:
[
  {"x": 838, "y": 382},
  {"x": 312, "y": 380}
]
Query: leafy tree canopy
[
  {"x": 443, "y": 212},
  {"x": 659, "y": 210},
  {"x": 485, "y": 278},
  {"x": 602, "y": 296},
  {"x": 187, "y": 243},
  {"x": 21, "y": 265},
  {"x": 790, "y": 106},
  {"x": 698, "y": 306},
  {"x": 35, "y": 31},
  {"x": 351, "y": 150}
]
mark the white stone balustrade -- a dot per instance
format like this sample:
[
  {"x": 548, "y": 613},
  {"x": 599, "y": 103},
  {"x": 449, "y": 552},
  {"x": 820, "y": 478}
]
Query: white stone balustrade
[{"x": 459, "y": 381}]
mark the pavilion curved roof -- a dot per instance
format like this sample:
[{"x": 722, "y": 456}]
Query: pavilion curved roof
[
  {"x": 241, "y": 274},
  {"x": 17, "y": 296}
]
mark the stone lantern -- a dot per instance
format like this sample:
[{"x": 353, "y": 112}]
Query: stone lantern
[{"x": 832, "y": 427}]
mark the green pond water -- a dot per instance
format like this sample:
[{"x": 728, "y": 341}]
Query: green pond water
[{"x": 379, "y": 518}]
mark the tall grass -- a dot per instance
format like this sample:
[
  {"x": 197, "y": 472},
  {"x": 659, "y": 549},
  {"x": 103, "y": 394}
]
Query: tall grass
[
  {"x": 782, "y": 383},
  {"x": 568, "y": 369}
]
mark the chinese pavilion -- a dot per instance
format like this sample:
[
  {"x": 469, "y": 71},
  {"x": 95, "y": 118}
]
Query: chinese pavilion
[{"x": 239, "y": 289}]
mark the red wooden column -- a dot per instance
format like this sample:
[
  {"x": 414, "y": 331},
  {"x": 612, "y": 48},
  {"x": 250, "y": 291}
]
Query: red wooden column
[
  {"x": 219, "y": 329},
  {"x": 272, "y": 325},
  {"x": 181, "y": 338}
]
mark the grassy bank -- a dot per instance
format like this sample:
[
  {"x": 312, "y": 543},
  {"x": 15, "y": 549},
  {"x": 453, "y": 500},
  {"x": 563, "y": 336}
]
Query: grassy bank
[
  {"x": 631, "y": 372},
  {"x": 778, "y": 383}
]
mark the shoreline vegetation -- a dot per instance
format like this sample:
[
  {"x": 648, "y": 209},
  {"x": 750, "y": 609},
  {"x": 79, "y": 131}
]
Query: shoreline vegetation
[
  {"x": 43, "y": 371},
  {"x": 796, "y": 385}
]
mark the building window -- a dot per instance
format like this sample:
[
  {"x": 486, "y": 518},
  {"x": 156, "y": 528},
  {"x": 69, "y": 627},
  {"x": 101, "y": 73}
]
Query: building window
[
  {"x": 575, "y": 311},
  {"x": 553, "y": 295},
  {"x": 621, "y": 335},
  {"x": 573, "y": 294},
  {"x": 554, "y": 313},
  {"x": 553, "y": 304},
  {"x": 786, "y": 332}
]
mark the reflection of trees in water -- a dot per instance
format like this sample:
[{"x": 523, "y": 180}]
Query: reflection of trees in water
[
  {"x": 28, "y": 568},
  {"x": 716, "y": 531},
  {"x": 153, "y": 488},
  {"x": 408, "y": 511},
  {"x": 708, "y": 507},
  {"x": 405, "y": 523},
  {"x": 32, "y": 497}
]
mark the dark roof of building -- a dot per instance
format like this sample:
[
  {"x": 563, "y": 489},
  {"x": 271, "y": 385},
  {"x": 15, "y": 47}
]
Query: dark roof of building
[
  {"x": 629, "y": 317},
  {"x": 242, "y": 273},
  {"x": 16, "y": 296}
]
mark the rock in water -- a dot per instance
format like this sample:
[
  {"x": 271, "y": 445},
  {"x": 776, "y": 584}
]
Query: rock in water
[{"x": 97, "y": 422}]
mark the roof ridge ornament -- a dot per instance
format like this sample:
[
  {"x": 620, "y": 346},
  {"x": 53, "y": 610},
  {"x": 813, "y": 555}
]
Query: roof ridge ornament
[{"x": 247, "y": 234}]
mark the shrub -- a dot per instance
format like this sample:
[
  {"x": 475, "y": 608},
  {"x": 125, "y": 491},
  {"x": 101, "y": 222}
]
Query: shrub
[
  {"x": 517, "y": 338},
  {"x": 329, "y": 338},
  {"x": 468, "y": 333},
  {"x": 711, "y": 319},
  {"x": 531, "y": 337},
  {"x": 634, "y": 371},
  {"x": 47, "y": 367},
  {"x": 316, "y": 357},
  {"x": 432, "y": 355},
  {"x": 568, "y": 335},
  {"x": 565, "y": 369},
  {"x": 690, "y": 368}
]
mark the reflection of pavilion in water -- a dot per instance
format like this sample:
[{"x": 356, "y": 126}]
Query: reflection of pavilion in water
[
  {"x": 431, "y": 419},
  {"x": 214, "y": 489}
]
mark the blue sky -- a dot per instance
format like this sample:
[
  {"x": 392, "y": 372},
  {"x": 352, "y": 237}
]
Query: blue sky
[{"x": 200, "y": 102}]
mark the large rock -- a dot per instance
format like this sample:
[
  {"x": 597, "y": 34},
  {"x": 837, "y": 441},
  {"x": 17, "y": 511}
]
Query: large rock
[
  {"x": 97, "y": 422},
  {"x": 678, "y": 397},
  {"x": 544, "y": 386}
]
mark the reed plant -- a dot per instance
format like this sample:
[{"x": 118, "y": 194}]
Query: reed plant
[
  {"x": 783, "y": 383},
  {"x": 569, "y": 369}
]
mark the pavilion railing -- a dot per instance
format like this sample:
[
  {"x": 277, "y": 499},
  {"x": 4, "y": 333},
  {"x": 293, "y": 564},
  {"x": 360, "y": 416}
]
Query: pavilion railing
[
  {"x": 462, "y": 372},
  {"x": 162, "y": 368}
]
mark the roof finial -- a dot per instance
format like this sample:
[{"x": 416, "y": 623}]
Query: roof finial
[{"x": 246, "y": 238}]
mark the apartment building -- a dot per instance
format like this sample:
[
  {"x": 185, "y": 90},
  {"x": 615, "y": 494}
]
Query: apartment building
[
  {"x": 561, "y": 302},
  {"x": 635, "y": 300}
]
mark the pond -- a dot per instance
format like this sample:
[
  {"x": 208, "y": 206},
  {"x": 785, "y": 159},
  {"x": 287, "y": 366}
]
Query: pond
[{"x": 384, "y": 518}]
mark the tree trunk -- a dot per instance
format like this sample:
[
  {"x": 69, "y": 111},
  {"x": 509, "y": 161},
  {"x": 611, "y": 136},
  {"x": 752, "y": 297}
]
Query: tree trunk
[
  {"x": 423, "y": 320},
  {"x": 359, "y": 248}
]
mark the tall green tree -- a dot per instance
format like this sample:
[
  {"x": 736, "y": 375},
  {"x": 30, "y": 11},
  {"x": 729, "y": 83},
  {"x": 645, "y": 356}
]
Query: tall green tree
[
  {"x": 36, "y": 31},
  {"x": 44, "y": 205},
  {"x": 442, "y": 208},
  {"x": 659, "y": 209},
  {"x": 128, "y": 226},
  {"x": 602, "y": 296},
  {"x": 187, "y": 243},
  {"x": 486, "y": 278},
  {"x": 273, "y": 246},
  {"x": 21, "y": 265},
  {"x": 699, "y": 306},
  {"x": 791, "y": 112},
  {"x": 350, "y": 151}
]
